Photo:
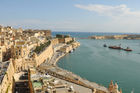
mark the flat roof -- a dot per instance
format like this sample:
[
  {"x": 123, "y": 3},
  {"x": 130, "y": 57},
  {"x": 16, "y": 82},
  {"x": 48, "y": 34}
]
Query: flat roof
[{"x": 37, "y": 84}]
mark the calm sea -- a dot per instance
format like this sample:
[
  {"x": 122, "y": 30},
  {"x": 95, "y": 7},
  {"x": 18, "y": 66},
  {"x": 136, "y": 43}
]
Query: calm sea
[{"x": 101, "y": 65}]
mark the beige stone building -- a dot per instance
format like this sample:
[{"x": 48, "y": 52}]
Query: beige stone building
[
  {"x": 66, "y": 48},
  {"x": 19, "y": 53},
  {"x": 75, "y": 44},
  {"x": 65, "y": 40},
  {"x": 54, "y": 41},
  {"x": 20, "y": 49},
  {"x": 2, "y": 51}
]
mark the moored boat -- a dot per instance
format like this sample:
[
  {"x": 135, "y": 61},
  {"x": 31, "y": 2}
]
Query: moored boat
[
  {"x": 105, "y": 45},
  {"x": 127, "y": 49},
  {"x": 115, "y": 47}
]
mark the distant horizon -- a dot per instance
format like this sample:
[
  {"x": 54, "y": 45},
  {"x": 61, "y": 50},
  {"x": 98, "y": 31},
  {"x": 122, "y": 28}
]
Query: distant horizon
[
  {"x": 72, "y": 31},
  {"x": 95, "y": 32}
]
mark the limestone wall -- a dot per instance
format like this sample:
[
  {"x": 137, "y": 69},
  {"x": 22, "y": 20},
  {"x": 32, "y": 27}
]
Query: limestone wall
[
  {"x": 46, "y": 54},
  {"x": 18, "y": 63},
  {"x": 6, "y": 85},
  {"x": 28, "y": 63}
]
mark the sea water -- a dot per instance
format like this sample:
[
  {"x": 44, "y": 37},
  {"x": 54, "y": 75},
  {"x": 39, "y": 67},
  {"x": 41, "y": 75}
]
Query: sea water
[{"x": 100, "y": 64}]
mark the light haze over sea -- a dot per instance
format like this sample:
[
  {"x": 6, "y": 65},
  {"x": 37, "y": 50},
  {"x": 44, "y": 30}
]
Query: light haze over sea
[{"x": 101, "y": 65}]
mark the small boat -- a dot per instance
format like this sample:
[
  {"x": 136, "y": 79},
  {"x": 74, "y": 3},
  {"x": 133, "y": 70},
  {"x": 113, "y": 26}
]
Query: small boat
[
  {"x": 127, "y": 49},
  {"x": 132, "y": 91},
  {"x": 105, "y": 45},
  {"x": 115, "y": 47},
  {"x": 71, "y": 51}
]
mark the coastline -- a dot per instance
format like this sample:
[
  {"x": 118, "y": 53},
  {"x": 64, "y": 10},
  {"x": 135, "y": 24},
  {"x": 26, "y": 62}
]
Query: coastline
[{"x": 99, "y": 88}]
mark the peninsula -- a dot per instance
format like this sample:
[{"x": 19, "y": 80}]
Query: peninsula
[
  {"x": 124, "y": 36},
  {"x": 28, "y": 64}
]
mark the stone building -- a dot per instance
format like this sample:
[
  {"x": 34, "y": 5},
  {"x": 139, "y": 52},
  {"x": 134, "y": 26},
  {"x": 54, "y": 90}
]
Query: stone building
[
  {"x": 2, "y": 52},
  {"x": 54, "y": 41},
  {"x": 65, "y": 40},
  {"x": 66, "y": 48},
  {"x": 20, "y": 49},
  {"x": 19, "y": 53}
]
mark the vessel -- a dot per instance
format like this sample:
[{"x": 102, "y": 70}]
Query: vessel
[
  {"x": 105, "y": 45},
  {"x": 127, "y": 49},
  {"x": 115, "y": 47}
]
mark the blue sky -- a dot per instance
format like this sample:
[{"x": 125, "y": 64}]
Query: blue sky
[{"x": 72, "y": 15}]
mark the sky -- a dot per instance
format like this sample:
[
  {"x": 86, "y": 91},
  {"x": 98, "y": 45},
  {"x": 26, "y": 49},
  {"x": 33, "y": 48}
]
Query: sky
[{"x": 72, "y": 15}]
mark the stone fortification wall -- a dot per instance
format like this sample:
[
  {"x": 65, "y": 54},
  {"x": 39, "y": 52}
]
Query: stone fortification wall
[
  {"x": 7, "y": 82},
  {"x": 46, "y": 54}
]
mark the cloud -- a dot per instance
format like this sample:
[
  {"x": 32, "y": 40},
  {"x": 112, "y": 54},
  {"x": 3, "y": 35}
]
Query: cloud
[
  {"x": 120, "y": 10},
  {"x": 121, "y": 18}
]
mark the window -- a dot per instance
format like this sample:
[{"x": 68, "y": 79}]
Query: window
[
  {"x": 16, "y": 52},
  {"x": 19, "y": 52}
]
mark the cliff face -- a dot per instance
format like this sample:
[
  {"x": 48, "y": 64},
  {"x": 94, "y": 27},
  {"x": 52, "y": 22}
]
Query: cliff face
[{"x": 116, "y": 37}]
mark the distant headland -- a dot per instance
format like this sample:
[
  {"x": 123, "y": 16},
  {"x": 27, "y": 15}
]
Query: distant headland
[{"x": 124, "y": 36}]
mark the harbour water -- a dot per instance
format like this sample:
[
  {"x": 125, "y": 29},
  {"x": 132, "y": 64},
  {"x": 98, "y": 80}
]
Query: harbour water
[{"x": 100, "y": 64}]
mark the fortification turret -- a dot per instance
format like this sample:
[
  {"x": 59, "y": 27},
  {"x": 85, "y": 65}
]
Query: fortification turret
[{"x": 111, "y": 86}]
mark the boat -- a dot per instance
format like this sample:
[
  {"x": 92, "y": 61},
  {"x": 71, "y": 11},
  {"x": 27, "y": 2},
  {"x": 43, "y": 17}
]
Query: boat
[
  {"x": 71, "y": 51},
  {"x": 127, "y": 49},
  {"x": 105, "y": 45},
  {"x": 132, "y": 91},
  {"x": 115, "y": 47}
]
